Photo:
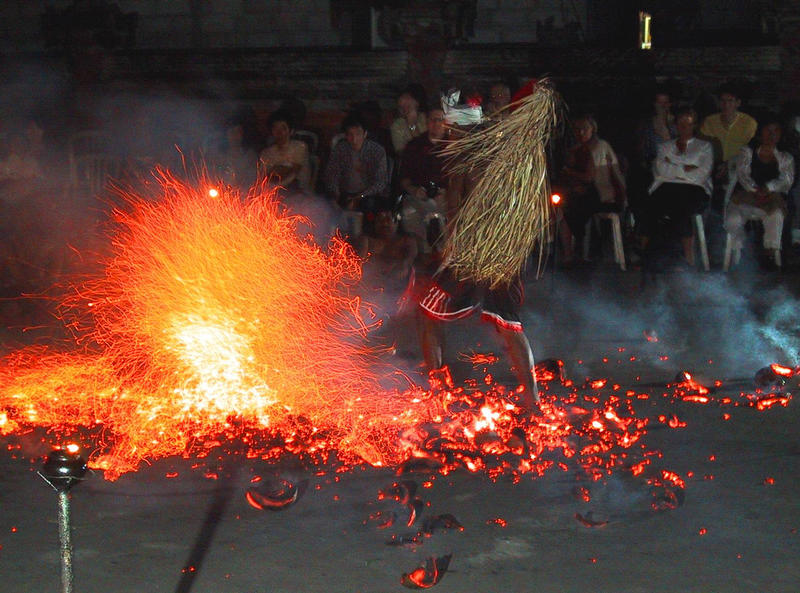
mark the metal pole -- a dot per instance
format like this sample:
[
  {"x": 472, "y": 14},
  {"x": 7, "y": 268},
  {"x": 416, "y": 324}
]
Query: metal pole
[
  {"x": 64, "y": 536},
  {"x": 62, "y": 469}
]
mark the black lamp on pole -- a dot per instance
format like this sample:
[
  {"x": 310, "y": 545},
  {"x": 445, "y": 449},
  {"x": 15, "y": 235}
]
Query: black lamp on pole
[{"x": 64, "y": 468}]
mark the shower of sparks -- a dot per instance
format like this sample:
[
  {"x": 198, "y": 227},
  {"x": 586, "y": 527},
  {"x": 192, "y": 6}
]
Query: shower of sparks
[
  {"x": 213, "y": 322},
  {"x": 210, "y": 314}
]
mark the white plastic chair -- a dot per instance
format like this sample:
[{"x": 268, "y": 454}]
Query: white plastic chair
[
  {"x": 700, "y": 235},
  {"x": 309, "y": 137},
  {"x": 734, "y": 255},
  {"x": 616, "y": 227}
]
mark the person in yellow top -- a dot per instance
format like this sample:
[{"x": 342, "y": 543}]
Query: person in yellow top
[{"x": 729, "y": 130}]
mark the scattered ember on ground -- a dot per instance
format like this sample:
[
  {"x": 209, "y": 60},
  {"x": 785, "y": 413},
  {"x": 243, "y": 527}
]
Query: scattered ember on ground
[{"x": 214, "y": 325}]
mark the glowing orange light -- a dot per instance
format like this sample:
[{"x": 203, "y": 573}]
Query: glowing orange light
[
  {"x": 781, "y": 370},
  {"x": 213, "y": 192},
  {"x": 206, "y": 309},
  {"x": 768, "y": 402},
  {"x": 555, "y": 199}
]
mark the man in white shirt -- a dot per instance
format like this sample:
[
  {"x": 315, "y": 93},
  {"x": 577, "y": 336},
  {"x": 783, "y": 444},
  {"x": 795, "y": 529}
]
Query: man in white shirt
[{"x": 682, "y": 183}]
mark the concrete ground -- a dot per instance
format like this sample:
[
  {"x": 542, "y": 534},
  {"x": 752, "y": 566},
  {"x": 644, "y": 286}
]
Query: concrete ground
[{"x": 735, "y": 532}]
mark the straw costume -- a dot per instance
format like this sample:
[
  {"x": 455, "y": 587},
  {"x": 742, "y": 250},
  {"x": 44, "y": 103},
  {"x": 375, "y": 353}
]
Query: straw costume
[{"x": 505, "y": 213}]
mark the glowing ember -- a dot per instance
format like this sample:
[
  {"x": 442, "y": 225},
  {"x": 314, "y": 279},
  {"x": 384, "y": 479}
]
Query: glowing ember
[
  {"x": 690, "y": 390},
  {"x": 478, "y": 359},
  {"x": 210, "y": 315},
  {"x": 427, "y": 575},
  {"x": 213, "y": 324}
]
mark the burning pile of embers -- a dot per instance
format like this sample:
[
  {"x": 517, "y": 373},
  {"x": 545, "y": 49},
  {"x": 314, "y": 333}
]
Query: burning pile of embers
[
  {"x": 214, "y": 330},
  {"x": 591, "y": 431}
]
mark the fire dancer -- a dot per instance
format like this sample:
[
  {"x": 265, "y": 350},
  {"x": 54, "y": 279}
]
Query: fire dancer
[{"x": 502, "y": 214}]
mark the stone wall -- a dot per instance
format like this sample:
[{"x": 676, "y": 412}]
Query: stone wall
[
  {"x": 228, "y": 24},
  {"x": 215, "y": 24},
  {"x": 330, "y": 78},
  {"x": 612, "y": 83},
  {"x": 218, "y": 53}
]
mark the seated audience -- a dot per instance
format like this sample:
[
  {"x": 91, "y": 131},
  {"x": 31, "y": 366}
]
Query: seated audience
[
  {"x": 591, "y": 182},
  {"x": 285, "y": 161},
  {"x": 371, "y": 116},
  {"x": 423, "y": 181},
  {"x": 729, "y": 130},
  {"x": 36, "y": 223},
  {"x": 681, "y": 185},
  {"x": 764, "y": 176},
  {"x": 235, "y": 160},
  {"x": 389, "y": 254},
  {"x": 410, "y": 123},
  {"x": 499, "y": 98},
  {"x": 356, "y": 177},
  {"x": 657, "y": 128}
]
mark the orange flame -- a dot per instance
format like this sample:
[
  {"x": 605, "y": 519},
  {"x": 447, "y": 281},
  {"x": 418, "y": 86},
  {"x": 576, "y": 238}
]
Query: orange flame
[
  {"x": 208, "y": 309},
  {"x": 212, "y": 321}
]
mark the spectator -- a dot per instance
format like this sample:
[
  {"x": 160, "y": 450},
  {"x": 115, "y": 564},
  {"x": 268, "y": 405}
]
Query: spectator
[
  {"x": 499, "y": 98},
  {"x": 410, "y": 123},
  {"x": 729, "y": 130},
  {"x": 421, "y": 163},
  {"x": 286, "y": 160},
  {"x": 792, "y": 143},
  {"x": 236, "y": 158},
  {"x": 682, "y": 184},
  {"x": 34, "y": 227},
  {"x": 356, "y": 176},
  {"x": 371, "y": 116},
  {"x": 423, "y": 180},
  {"x": 591, "y": 180},
  {"x": 764, "y": 176},
  {"x": 389, "y": 253},
  {"x": 657, "y": 128}
]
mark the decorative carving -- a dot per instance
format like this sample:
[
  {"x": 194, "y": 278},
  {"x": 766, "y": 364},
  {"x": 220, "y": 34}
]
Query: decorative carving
[{"x": 451, "y": 21}]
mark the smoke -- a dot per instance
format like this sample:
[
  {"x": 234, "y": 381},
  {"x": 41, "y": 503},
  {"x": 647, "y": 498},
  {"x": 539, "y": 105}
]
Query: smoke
[
  {"x": 739, "y": 325},
  {"x": 782, "y": 325}
]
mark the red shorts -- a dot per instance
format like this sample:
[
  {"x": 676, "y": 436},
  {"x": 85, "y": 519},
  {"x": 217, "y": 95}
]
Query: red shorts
[{"x": 447, "y": 299}]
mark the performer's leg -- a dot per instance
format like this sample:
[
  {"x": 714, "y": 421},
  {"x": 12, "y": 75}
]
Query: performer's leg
[
  {"x": 519, "y": 350},
  {"x": 431, "y": 339}
]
